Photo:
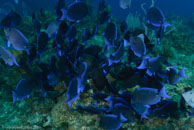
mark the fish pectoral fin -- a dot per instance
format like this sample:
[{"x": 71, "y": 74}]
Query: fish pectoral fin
[{"x": 14, "y": 60}]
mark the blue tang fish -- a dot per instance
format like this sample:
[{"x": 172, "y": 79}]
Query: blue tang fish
[
  {"x": 148, "y": 96},
  {"x": 126, "y": 111},
  {"x": 174, "y": 76},
  {"x": 110, "y": 33},
  {"x": 16, "y": 39},
  {"x": 77, "y": 11},
  {"x": 74, "y": 89},
  {"x": 7, "y": 57},
  {"x": 117, "y": 55},
  {"x": 53, "y": 28},
  {"x": 156, "y": 21},
  {"x": 36, "y": 24},
  {"x": 111, "y": 121},
  {"x": 152, "y": 65},
  {"x": 23, "y": 89},
  {"x": 137, "y": 45},
  {"x": 141, "y": 109}
]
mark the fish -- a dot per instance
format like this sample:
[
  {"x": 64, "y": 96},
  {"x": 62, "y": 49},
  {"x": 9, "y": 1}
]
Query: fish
[
  {"x": 152, "y": 65},
  {"x": 189, "y": 97},
  {"x": 101, "y": 6},
  {"x": 148, "y": 96},
  {"x": 111, "y": 121},
  {"x": 71, "y": 34},
  {"x": 174, "y": 76},
  {"x": 141, "y": 109},
  {"x": 7, "y": 57},
  {"x": 109, "y": 86},
  {"x": 124, "y": 72},
  {"x": 23, "y": 89},
  {"x": 104, "y": 17},
  {"x": 94, "y": 30},
  {"x": 126, "y": 111},
  {"x": 127, "y": 37},
  {"x": 42, "y": 12},
  {"x": 32, "y": 54},
  {"x": 117, "y": 55},
  {"x": 126, "y": 95},
  {"x": 86, "y": 35},
  {"x": 99, "y": 96},
  {"x": 16, "y": 39},
  {"x": 165, "y": 108},
  {"x": 81, "y": 70},
  {"x": 73, "y": 91},
  {"x": 93, "y": 50},
  {"x": 60, "y": 8},
  {"x": 36, "y": 24},
  {"x": 93, "y": 109},
  {"x": 156, "y": 21},
  {"x": 99, "y": 78},
  {"x": 123, "y": 26},
  {"x": 110, "y": 33},
  {"x": 52, "y": 79},
  {"x": 138, "y": 46},
  {"x": 114, "y": 100},
  {"x": 12, "y": 20},
  {"x": 52, "y": 28},
  {"x": 42, "y": 42},
  {"x": 63, "y": 27},
  {"x": 151, "y": 81},
  {"x": 60, "y": 37},
  {"x": 155, "y": 17},
  {"x": 77, "y": 11},
  {"x": 124, "y": 4}
]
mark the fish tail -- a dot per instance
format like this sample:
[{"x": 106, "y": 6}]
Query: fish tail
[
  {"x": 122, "y": 118},
  {"x": 14, "y": 96},
  {"x": 163, "y": 93},
  {"x": 15, "y": 62},
  {"x": 110, "y": 61},
  {"x": 28, "y": 49},
  {"x": 182, "y": 73}
]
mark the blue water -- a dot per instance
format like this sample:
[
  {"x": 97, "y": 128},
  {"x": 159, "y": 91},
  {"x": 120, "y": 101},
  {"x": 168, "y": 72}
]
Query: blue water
[{"x": 176, "y": 7}]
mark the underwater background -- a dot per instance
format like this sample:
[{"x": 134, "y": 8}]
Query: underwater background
[{"x": 97, "y": 64}]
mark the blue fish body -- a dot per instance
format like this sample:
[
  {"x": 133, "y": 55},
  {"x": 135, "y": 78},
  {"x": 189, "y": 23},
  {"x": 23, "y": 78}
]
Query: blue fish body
[
  {"x": 23, "y": 89},
  {"x": 77, "y": 11},
  {"x": 126, "y": 111},
  {"x": 110, "y": 33},
  {"x": 138, "y": 46},
  {"x": 42, "y": 41},
  {"x": 74, "y": 89},
  {"x": 110, "y": 122},
  {"x": 7, "y": 57},
  {"x": 148, "y": 96},
  {"x": 141, "y": 109},
  {"x": 36, "y": 24},
  {"x": 174, "y": 76},
  {"x": 94, "y": 109},
  {"x": 117, "y": 55},
  {"x": 152, "y": 65},
  {"x": 16, "y": 39}
]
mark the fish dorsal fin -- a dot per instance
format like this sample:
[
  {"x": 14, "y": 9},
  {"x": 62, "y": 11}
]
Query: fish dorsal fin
[{"x": 141, "y": 36}]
